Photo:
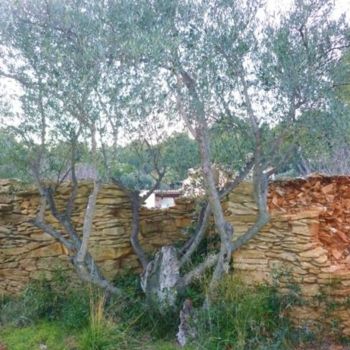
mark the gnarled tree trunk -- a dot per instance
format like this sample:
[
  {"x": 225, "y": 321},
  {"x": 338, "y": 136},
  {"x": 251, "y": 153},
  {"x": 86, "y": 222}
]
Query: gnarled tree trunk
[{"x": 160, "y": 279}]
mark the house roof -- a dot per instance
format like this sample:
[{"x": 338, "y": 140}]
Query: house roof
[{"x": 165, "y": 193}]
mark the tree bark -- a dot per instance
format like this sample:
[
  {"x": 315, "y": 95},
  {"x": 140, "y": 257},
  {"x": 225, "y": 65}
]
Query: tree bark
[
  {"x": 160, "y": 279},
  {"x": 87, "y": 226},
  {"x": 224, "y": 228},
  {"x": 135, "y": 229},
  {"x": 82, "y": 261}
]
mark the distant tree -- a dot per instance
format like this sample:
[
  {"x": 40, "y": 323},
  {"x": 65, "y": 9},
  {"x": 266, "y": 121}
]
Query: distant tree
[
  {"x": 13, "y": 160},
  {"x": 343, "y": 78},
  {"x": 318, "y": 147},
  {"x": 180, "y": 154}
]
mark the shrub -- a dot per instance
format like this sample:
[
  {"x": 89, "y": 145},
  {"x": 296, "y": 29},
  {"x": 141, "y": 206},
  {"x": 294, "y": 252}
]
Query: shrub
[
  {"x": 242, "y": 317},
  {"x": 48, "y": 300},
  {"x": 74, "y": 313},
  {"x": 102, "y": 333},
  {"x": 141, "y": 316}
]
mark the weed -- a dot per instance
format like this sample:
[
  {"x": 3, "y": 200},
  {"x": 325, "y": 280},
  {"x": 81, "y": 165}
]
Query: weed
[
  {"x": 102, "y": 333},
  {"x": 242, "y": 317},
  {"x": 48, "y": 300},
  {"x": 238, "y": 316},
  {"x": 139, "y": 314},
  {"x": 26, "y": 338}
]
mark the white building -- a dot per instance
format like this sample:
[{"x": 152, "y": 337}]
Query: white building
[{"x": 162, "y": 199}]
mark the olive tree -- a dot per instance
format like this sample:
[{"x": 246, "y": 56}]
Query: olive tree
[
  {"x": 91, "y": 69},
  {"x": 78, "y": 89},
  {"x": 218, "y": 59},
  {"x": 55, "y": 51}
]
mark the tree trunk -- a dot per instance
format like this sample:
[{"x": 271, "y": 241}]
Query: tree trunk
[
  {"x": 77, "y": 247},
  {"x": 135, "y": 229},
  {"x": 88, "y": 271},
  {"x": 224, "y": 228},
  {"x": 160, "y": 279}
]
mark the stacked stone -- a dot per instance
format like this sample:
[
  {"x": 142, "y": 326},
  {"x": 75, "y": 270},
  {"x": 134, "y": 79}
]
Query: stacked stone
[
  {"x": 27, "y": 253},
  {"x": 289, "y": 252},
  {"x": 331, "y": 195}
]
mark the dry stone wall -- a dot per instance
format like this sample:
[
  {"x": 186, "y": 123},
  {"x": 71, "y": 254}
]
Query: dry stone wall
[
  {"x": 289, "y": 252},
  {"x": 27, "y": 253},
  {"x": 289, "y": 246}
]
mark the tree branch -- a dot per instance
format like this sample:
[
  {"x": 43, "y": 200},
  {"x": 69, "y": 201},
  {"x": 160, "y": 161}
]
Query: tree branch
[
  {"x": 88, "y": 218},
  {"x": 263, "y": 216},
  {"x": 17, "y": 78},
  {"x": 74, "y": 191},
  {"x": 155, "y": 186},
  {"x": 135, "y": 230},
  {"x": 230, "y": 186},
  {"x": 200, "y": 232},
  {"x": 134, "y": 197},
  {"x": 198, "y": 271},
  {"x": 53, "y": 233}
]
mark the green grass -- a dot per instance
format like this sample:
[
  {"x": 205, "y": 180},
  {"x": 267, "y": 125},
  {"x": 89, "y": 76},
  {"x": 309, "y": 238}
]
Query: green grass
[
  {"x": 55, "y": 337},
  {"x": 78, "y": 317},
  {"x": 29, "y": 338},
  {"x": 244, "y": 317},
  {"x": 163, "y": 345}
]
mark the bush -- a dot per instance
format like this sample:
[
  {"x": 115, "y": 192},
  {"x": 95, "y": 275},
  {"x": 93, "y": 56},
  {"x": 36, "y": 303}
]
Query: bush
[
  {"x": 70, "y": 305},
  {"x": 141, "y": 316},
  {"x": 74, "y": 313},
  {"x": 48, "y": 300},
  {"x": 102, "y": 333},
  {"x": 242, "y": 317}
]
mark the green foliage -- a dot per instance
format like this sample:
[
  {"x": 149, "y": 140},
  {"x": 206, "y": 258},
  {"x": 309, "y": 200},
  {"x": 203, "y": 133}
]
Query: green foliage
[
  {"x": 243, "y": 317},
  {"x": 57, "y": 310},
  {"x": 231, "y": 143},
  {"x": 180, "y": 154},
  {"x": 109, "y": 72},
  {"x": 104, "y": 337},
  {"x": 101, "y": 333},
  {"x": 318, "y": 141},
  {"x": 13, "y": 157},
  {"x": 238, "y": 315},
  {"x": 48, "y": 300},
  {"x": 135, "y": 163},
  {"x": 143, "y": 316},
  {"x": 55, "y": 337},
  {"x": 329, "y": 307},
  {"x": 29, "y": 338},
  {"x": 343, "y": 75}
]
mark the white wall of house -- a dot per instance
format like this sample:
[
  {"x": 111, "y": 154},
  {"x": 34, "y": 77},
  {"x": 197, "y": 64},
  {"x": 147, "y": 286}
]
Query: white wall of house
[
  {"x": 158, "y": 201},
  {"x": 165, "y": 202},
  {"x": 150, "y": 201}
]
